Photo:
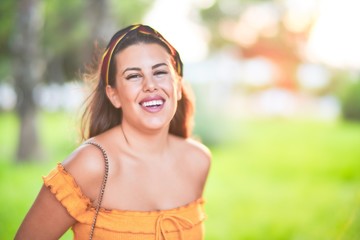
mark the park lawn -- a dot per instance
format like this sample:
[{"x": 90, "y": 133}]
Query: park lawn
[
  {"x": 286, "y": 180},
  {"x": 20, "y": 183},
  {"x": 271, "y": 179}
]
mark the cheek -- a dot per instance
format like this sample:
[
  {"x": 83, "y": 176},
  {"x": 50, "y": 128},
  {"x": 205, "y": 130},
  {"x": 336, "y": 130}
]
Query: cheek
[
  {"x": 170, "y": 87},
  {"x": 128, "y": 93},
  {"x": 170, "y": 83}
]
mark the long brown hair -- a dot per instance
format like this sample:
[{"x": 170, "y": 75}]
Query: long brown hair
[{"x": 100, "y": 115}]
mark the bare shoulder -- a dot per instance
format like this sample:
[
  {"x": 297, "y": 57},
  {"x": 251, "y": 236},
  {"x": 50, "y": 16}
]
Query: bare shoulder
[
  {"x": 194, "y": 160},
  {"x": 196, "y": 154},
  {"x": 86, "y": 165},
  {"x": 197, "y": 150}
]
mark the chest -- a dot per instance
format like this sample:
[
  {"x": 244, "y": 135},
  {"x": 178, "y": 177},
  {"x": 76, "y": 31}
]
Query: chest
[{"x": 145, "y": 187}]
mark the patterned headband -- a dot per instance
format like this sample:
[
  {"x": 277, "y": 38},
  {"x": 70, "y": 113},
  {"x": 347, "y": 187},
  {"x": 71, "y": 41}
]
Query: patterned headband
[{"x": 119, "y": 36}]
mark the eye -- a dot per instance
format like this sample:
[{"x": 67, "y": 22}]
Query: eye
[
  {"x": 160, "y": 73},
  {"x": 133, "y": 76}
]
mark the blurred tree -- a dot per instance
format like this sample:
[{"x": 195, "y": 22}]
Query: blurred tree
[
  {"x": 27, "y": 71},
  {"x": 129, "y": 12},
  {"x": 69, "y": 41},
  {"x": 280, "y": 47},
  {"x": 69, "y": 31},
  {"x": 7, "y": 13},
  {"x": 222, "y": 10},
  {"x": 281, "y": 50},
  {"x": 64, "y": 28},
  {"x": 351, "y": 101},
  {"x": 50, "y": 41}
]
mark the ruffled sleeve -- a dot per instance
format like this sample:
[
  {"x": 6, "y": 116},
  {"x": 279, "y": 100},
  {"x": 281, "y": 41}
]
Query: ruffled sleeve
[{"x": 69, "y": 194}]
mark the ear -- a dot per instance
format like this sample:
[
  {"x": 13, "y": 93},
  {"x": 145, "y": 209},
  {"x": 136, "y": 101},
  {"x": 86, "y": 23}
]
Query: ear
[
  {"x": 113, "y": 96},
  {"x": 179, "y": 89}
]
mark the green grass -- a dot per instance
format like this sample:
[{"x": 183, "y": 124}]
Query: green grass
[
  {"x": 286, "y": 180},
  {"x": 20, "y": 183},
  {"x": 272, "y": 179}
]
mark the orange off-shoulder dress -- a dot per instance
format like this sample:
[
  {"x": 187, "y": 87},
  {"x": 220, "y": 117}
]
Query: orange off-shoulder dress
[{"x": 182, "y": 223}]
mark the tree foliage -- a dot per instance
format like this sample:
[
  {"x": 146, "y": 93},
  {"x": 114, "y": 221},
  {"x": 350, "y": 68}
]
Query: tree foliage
[
  {"x": 222, "y": 10},
  {"x": 351, "y": 102},
  {"x": 67, "y": 37},
  {"x": 47, "y": 41},
  {"x": 7, "y": 10}
]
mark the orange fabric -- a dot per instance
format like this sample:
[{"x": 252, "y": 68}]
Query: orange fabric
[{"x": 182, "y": 223}]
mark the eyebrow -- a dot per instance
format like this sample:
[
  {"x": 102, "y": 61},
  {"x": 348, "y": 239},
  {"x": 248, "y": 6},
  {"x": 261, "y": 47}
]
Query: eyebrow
[
  {"x": 158, "y": 65},
  {"x": 131, "y": 69},
  {"x": 139, "y": 69}
]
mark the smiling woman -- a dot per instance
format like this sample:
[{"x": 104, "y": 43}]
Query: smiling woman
[
  {"x": 138, "y": 174},
  {"x": 146, "y": 86}
]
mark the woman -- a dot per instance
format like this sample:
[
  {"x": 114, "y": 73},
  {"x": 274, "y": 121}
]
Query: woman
[{"x": 138, "y": 175}]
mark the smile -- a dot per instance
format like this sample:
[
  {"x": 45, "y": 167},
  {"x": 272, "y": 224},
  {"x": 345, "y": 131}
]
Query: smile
[{"x": 153, "y": 103}]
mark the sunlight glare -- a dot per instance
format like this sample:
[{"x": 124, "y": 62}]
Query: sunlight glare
[
  {"x": 299, "y": 14},
  {"x": 335, "y": 36},
  {"x": 188, "y": 37}
]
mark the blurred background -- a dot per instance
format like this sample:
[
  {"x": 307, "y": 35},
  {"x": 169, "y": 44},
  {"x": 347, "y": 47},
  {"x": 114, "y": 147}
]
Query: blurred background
[{"x": 277, "y": 86}]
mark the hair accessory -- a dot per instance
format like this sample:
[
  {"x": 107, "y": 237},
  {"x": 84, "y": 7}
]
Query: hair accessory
[{"x": 106, "y": 58}]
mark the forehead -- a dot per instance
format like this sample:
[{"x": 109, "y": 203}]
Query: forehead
[{"x": 142, "y": 54}]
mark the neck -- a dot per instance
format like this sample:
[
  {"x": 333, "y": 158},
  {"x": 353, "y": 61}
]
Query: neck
[{"x": 151, "y": 142}]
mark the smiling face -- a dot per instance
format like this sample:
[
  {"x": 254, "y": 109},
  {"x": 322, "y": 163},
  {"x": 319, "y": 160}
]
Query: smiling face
[{"x": 147, "y": 87}]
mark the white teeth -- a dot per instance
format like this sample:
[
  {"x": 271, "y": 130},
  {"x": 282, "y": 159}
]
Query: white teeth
[{"x": 153, "y": 103}]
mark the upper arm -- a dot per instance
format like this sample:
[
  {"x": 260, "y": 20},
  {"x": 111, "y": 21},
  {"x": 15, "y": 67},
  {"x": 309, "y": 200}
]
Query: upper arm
[
  {"x": 46, "y": 219},
  {"x": 204, "y": 161},
  {"x": 199, "y": 158}
]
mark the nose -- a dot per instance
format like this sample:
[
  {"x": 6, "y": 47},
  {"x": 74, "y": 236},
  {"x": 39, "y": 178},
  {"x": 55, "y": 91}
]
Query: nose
[{"x": 149, "y": 84}]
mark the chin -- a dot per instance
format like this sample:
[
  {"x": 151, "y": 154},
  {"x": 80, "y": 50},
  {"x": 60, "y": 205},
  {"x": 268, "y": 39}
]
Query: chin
[{"x": 157, "y": 124}]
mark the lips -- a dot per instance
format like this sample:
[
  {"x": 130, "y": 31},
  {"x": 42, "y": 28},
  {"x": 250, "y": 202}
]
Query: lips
[{"x": 152, "y": 104}]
